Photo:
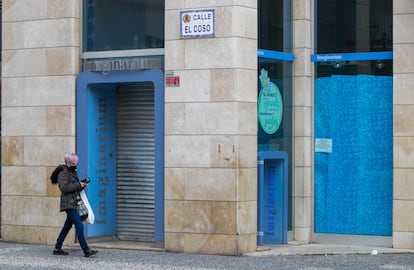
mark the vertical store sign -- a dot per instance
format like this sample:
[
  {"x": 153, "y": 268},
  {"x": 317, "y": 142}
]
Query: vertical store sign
[
  {"x": 197, "y": 23},
  {"x": 102, "y": 162},
  {"x": 270, "y": 201}
]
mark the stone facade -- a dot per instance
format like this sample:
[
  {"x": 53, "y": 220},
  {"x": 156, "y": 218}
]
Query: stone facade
[
  {"x": 303, "y": 120},
  {"x": 40, "y": 64},
  {"x": 211, "y": 133},
  {"x": 403, "y": 207},
  {"x": 210, "y": 123}
]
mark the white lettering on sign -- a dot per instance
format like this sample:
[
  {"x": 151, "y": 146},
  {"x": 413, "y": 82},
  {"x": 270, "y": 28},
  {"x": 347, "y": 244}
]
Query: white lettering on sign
[
  {"x": 197, "y": 23},
  {"x": 328, "y": 57},
  {"x": 106, "y": 65}
]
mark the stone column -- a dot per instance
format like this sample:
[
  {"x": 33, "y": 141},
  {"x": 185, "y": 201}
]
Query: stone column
[
  {"x": 303, "y": 23},
  {"x": 211, "y": 131},
  {"x": 39, "y": 67},
  {"x": 403, "y": 203}
]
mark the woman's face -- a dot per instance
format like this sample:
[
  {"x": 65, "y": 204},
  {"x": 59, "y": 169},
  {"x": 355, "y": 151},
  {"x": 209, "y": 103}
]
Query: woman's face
[{"x": 73, "y": 164}]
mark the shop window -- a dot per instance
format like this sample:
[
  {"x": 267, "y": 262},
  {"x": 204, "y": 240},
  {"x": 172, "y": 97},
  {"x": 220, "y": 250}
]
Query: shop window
[
  {"x": 275, "y": 119},
  {"x": 275, "y": 83},
  {"x": 353, "y": 117},
  {"x": 354, "y": 26},
  {"x": 123, "y": 24},
  {"x": 275, "y": 25},
  {"x": 353, "y": 152}
]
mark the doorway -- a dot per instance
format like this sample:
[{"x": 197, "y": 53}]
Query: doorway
[
  {"x": 120, "y": 142},
  {"x": 274, "y": 144}
]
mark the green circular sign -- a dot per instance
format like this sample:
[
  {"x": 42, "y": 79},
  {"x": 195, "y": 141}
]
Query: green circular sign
[{"x": 270, "y": 105}]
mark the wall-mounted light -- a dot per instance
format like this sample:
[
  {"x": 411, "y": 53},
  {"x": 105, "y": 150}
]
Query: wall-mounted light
[{"x": 338, "y": 65}]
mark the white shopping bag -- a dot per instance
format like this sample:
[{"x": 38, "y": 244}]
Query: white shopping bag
[{"x": 91, "y": 216}]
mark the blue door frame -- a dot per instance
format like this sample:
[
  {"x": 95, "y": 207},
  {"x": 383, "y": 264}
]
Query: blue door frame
[
  {"x": 96, "y": 143},
  {"x": 273, "y": 181},
  {"x": 273, "y": 197}
]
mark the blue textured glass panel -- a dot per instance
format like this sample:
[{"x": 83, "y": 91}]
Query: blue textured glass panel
[{"x": 353, "y": 183}]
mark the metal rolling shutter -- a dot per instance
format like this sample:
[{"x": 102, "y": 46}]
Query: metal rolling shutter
[{"x": 135, "y": 162}]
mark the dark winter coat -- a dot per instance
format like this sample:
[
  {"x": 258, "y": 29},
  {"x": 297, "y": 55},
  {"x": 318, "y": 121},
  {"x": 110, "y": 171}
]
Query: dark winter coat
[{"x": 70, "y": 187}]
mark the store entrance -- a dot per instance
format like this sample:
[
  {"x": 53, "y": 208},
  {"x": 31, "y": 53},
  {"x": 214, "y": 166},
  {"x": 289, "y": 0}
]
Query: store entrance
[
  {"x": 120, "y": 145},
  {"x": 274, "y": 144}
]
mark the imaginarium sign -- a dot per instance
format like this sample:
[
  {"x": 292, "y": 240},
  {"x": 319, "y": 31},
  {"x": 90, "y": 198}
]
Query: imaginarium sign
[
  {"x": 119, "y": 64},
  {"x": 270, "y": 104}
]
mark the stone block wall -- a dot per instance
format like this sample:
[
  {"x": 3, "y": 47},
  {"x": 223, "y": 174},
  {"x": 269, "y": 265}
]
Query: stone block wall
[
  {"x": 40, "y": 63},
  {"x": 211, "y": 132},
  {"x": 303, "y": 92},
  {"x": 403, "y": 204}
]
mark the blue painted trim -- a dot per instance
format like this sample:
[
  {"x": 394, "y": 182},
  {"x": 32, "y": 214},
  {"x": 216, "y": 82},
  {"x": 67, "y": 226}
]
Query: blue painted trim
[
  {"x": 158, "y": 80},
  {"x": 260, "y": 191},
  {"x": 102, "y": 156},
  {"x": 337, "y": 57},
  {"x": 156, "y": 76},
  {"x": 275, "y": 55},
  {"x": 281, "y": 156}
]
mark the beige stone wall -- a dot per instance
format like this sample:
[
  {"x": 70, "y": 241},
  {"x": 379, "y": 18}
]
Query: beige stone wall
[
  {"x": 211, "y": 132},
  {"x": 403, "y": 204},
  {"x": 39, "y": 67},
  {"x": 303, "y": 93}
]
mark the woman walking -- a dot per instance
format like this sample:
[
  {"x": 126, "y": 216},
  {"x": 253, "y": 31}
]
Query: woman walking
[{"x": 70, "y": 186}]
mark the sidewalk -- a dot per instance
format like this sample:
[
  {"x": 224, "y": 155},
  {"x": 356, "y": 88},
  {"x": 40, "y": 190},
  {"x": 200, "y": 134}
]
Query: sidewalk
[
  {"x": 17, "y": 256},
  {"x": 294, "y": 248},
  {"x": 291, "y": 249}
]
